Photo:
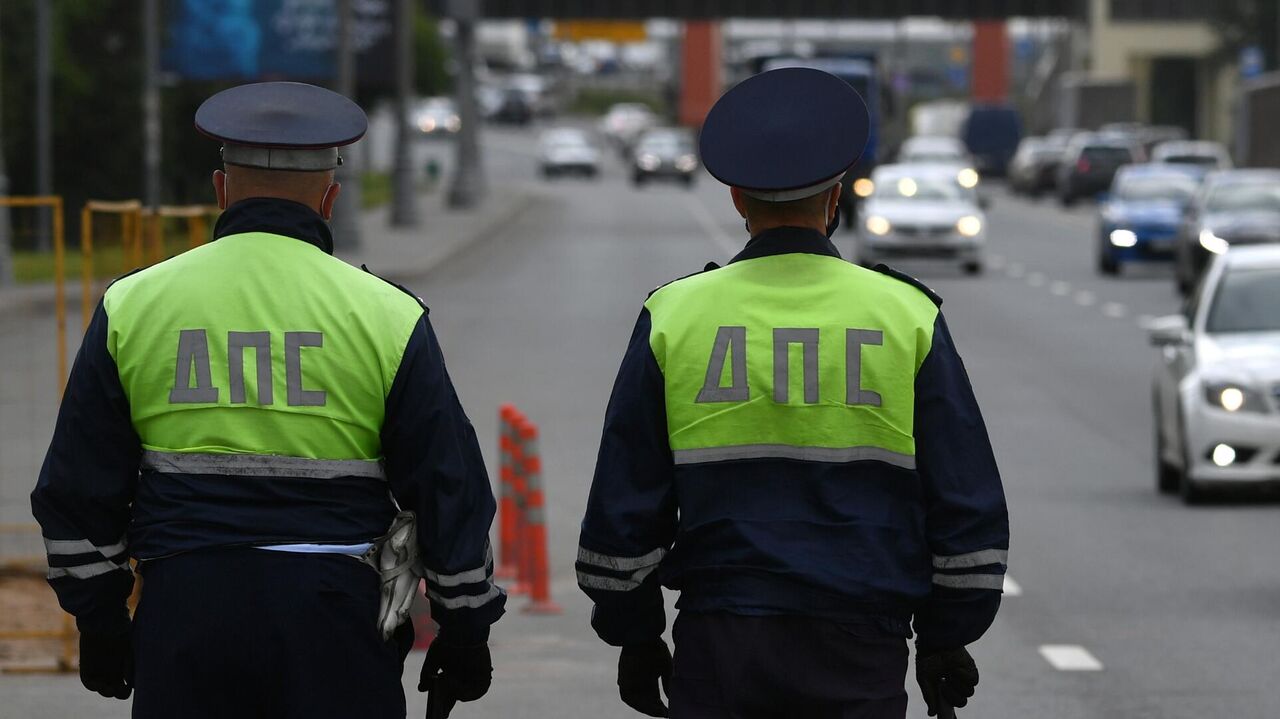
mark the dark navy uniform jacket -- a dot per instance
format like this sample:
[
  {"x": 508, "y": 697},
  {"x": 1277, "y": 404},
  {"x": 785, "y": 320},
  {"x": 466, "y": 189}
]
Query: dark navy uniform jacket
[{"x": 753, "y": 520}]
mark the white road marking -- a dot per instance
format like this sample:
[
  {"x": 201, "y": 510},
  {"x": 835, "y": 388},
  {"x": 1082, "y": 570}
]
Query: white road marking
[
  {"x": 713, "y": 230},
  {"x": 1016, "y": 269},
  {"x": 1070, "y": 658},
  {"x": 1060, "y": 288},
  {"x": 1144, "y": 321},
  {"x": 1011, "y": 588},
  {"x": 1114, "y": 309},
  {"x": 1036, "y": 279},
  {"x": 1084, "y": 298},
  {"x": 995, "y": 262}
]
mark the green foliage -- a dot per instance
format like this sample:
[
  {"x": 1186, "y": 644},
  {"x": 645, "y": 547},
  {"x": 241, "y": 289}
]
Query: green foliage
[{"x": 594, "y": 101}]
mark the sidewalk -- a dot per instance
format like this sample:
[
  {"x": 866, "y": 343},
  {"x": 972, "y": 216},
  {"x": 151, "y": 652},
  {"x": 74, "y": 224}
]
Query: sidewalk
[{"x": 396, "y": 253}]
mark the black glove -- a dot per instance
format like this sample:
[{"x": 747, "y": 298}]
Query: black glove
[
  {"x": 106, "y": 664},
  {"x": 640, "y": 668},
  {"x": 946, "y": 679},
  {"x": 454, "y": 673}
]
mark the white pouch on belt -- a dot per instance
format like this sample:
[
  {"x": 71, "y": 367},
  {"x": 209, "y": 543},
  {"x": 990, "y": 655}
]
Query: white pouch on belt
[{"x": 395, "y": 557}]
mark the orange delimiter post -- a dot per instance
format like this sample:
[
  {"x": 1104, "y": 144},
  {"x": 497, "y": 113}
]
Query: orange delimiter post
[
  {"x": 507, "y": 538},
  {"x": 700, "y": 72},
  {"x": 990, "y": 82},
  {"x": 536, "y": 526}
]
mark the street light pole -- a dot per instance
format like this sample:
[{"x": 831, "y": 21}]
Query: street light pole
[
  {"x": 6, "y": 248},
  {"x": 468, "y": 178},
  {"x": 151, "y": 104},
  {"x": 44, "y": 115},
  {"x": 404, "y": 212},
  {"x": 346, "y": 216}
]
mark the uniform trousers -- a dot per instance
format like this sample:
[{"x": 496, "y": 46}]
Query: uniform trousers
[
  {"x": 730, "y": 666},
  {"x": 248, "y": 633}
]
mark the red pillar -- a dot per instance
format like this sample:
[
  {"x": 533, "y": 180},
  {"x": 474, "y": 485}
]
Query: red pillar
[
  {"x": 990, "y": 82},
  {"x": 700, "y": 81}
]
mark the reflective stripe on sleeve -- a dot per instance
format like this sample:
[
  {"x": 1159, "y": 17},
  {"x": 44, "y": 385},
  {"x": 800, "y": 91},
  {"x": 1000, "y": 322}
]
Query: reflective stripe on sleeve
[
  {"x": 260, "y": 465},
  {"x": 838, "y": 455},
  {"x": 971, "y": 559},
  {"x": 87, "y": 571},
  {"x": 467, "y": 601},
  {"x": 614, "y": 584},
  {"x": 81, "y": 546},
  {"x": 970, "y": 581},
  {"x": 620, "y": 564},
  {"x": 470, "y": 576}
]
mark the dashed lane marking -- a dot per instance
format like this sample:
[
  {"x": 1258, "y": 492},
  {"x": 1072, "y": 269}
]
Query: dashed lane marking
[
  {"x": 1016, "y": 270},
  {"x": 1036, "y": 279},
  {"x": 1070, "y": 658},
  {"x": 1114, "y": 310},
  {"x": 1084, "y": 298},
  {"x": 713, "y": 230},
  {"x": 995, "y": 262},
  {"x": 1011, "y": 588},
  {"x": 1060, "y": 288}
]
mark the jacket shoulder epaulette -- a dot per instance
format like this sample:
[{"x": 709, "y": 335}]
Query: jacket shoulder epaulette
[
  {"x": 904, "y": 277},
  {"x": 402, "y": 288},
  {"x": 709, "y": 267}
]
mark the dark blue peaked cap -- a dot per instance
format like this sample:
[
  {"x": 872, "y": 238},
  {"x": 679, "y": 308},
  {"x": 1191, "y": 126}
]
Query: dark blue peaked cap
[
  {"x": 281, "y": 125},
  {"x": 785, "y": 134}
]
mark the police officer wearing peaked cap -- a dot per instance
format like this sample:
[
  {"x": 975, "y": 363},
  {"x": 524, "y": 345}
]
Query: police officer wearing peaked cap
[
  {"x": 793, "y": 445},
  {"x": 246, "y": 420}
]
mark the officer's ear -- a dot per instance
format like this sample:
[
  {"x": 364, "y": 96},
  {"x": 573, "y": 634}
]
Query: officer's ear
[
  {"x": 833, "y": 201},
  {"x": 220, "y": 188},
  {"x": 739, "y": 203},
  {"x": 330, "y": 197}
]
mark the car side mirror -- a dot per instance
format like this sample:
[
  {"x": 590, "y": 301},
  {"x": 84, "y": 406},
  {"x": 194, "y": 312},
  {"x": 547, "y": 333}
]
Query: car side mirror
[{"x": 1169, "y": 331}]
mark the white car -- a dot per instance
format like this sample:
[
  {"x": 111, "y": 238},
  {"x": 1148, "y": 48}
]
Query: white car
[
  {"x": 940, "y": 150},
  {"x": 921, "y": 211},
  {"x": 1217, "y": 389},
  {"x": 437, "y": 117},
  {"x": 625, "y": 122},
  {"x": 1204, "y": 153},
  {"x": 566, "y": 150}
]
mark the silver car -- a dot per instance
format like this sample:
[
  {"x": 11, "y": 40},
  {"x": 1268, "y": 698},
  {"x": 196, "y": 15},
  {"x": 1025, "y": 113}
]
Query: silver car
[
  {"x": 922, "y": 211},
  {"x": 568, "y": 150},
  {"x": 1217, "y": 389}
]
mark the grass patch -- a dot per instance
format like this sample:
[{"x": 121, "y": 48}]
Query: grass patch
[
  {"x": 108, "y": 263},
  {"x": 375, "y": 189},
  {"x": 596, "y": 101}
]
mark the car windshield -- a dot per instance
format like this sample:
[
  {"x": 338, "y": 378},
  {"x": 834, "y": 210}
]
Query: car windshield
[
  {"x": 933, "y": 156},
  {"x": 664, "y": 145},
  {"x": 1201, "y": 160},
  {"x": 920, "y": 188},
  {"x": 1246, "y": 301},
  {"x": 1174, "y": 188},
  {"x": 1244, "y": 197},
  {"x": 1106, "y": 154}
]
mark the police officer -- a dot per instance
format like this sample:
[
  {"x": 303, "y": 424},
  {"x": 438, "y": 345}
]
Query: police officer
[
  {"x": 792, "y": 444},
  {"x": 243, "y": 420}
]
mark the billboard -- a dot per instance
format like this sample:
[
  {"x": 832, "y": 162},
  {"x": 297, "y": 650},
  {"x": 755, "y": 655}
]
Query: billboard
[{"x": 250, "y": 40}]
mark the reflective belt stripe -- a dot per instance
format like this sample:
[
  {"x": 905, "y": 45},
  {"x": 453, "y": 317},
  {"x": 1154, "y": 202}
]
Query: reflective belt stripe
[
  {"x": 86, "y": 571},
  {"x": 261, "y": 465},
  {"x": 465, "y": 602},
  {"x": 970, "y": 581},
  {"x": 471, "y": 576},
  {"x": 81, "y": 546},
  {"x": 620, "y": 564},
  {"x": 789, "y": 451},
  {"x": 971, "y": 559},
  {"x": 614, "y": 584}
]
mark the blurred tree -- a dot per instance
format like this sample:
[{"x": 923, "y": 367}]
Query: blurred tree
[{"x": 1245, "y": 23}]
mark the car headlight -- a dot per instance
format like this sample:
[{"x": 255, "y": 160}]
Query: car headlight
[
  {"x": 453, "y": 124},
  {"x": 648, "y": 162},
  {"x": 1212, "y": 242},
  {"x": 968, "y": 178},
  {"x": 1123, "y": 238},
  {"x": 427, "y": 124},
  {"x": 862, "y": 187},
  {"x": 969, "y": 226},
  {"x": 1234, "y": 397},
  {"x": 878, "y": 225},
  {"x": 686, "y": 163}
]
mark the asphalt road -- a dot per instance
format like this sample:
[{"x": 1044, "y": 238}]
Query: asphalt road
[{"x": 1173, "y": 611}]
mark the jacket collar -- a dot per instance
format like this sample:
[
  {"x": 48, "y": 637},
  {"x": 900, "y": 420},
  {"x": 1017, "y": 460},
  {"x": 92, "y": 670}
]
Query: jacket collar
[
  {"x": 786, "y": 240},
  {"x": 277, "y": 217}
]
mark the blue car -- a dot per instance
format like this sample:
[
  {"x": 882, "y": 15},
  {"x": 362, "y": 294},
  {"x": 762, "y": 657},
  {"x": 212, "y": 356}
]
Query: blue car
[{"x": 1139, "y": 219}]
